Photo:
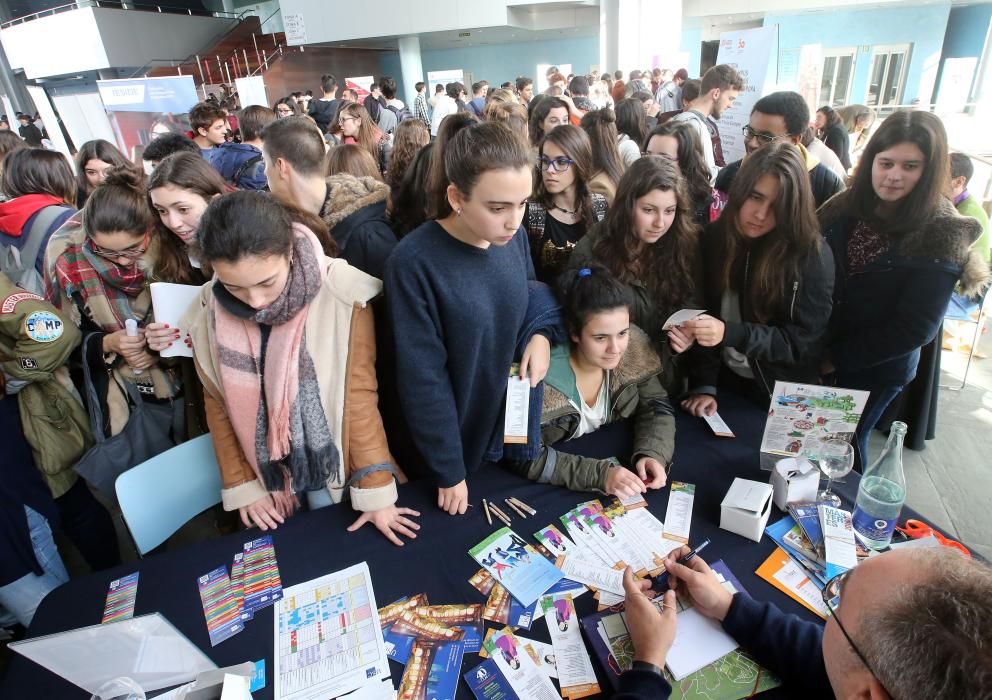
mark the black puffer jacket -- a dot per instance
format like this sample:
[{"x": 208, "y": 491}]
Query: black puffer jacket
[{"x": 787, "y": 347}]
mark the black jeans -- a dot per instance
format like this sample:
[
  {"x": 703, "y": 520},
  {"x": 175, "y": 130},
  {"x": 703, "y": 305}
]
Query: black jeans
[{"x": 88, "y": 525}]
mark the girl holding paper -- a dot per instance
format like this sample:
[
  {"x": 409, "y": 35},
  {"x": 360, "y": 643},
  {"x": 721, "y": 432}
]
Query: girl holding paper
[
  {"x": 461, "y": 299},
  {"x": 649, "y": 242},
  {"x": 768, "y": 281},
  {"x": 102, "y": 261},
  {"x": 285, "y": 348},
  {"x": 179, "y": 190},
  {"x": 608, "y": 372}
]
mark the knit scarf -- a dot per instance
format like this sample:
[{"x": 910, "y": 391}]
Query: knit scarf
[
  {"x": 109, "y": 290},
  {"x": 269, "y": 381}
]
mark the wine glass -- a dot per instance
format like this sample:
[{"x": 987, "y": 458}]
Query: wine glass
[{"x": 836, "y": 460}]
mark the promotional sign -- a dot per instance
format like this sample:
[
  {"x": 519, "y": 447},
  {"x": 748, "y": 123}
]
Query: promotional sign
[
  {"x": 295, "y": 28},
  {"x": 362, "y": 85},
  {"x": 443, "y": 77},
  {"x": 251, "y": 91},
  {"x": 137, "y": 107},
  {"x": 753, "y": 53}
]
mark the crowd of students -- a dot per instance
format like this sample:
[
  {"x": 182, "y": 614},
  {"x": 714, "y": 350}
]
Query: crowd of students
[{"x": 371, "y": 273}]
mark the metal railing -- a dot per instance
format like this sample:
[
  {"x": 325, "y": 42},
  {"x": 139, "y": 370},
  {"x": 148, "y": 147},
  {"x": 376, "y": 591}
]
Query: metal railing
[
  {"x": 238, "y": 58},
  {"x": 119, "y": 5}
]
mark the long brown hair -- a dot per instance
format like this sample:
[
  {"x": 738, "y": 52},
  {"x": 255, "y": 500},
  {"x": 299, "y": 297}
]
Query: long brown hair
[
  {"x": 796, "y": 234},
  {"x": 369, "y": 135},
  {"x": 409, "y": 137},
  {"x": 600, "y": 126},
  {"x": 541, "y": 106},
  {"x": 352, "y": 159},
  {"x": 575, "y": 145},
  {"x": 668, "y": 267},
  {"x": 692, "y": 161},
  {"x": 97, "y": 149},
  {"x": 926, "y": 132},
  {"x": 186, "y": 171}
]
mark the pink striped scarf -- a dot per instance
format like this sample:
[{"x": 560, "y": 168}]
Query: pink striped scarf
[{"x": 271, "y": 394}]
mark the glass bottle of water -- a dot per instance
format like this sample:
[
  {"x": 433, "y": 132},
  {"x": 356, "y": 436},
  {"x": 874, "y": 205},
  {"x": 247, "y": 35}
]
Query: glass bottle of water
[{"x": 882, "y": 492}]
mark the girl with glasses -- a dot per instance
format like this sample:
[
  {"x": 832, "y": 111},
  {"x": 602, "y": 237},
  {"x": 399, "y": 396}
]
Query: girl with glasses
[
  {"x": 287, "y": 107},
  {"x": 563, "y": 208},
  {"x": 103, "y": 262},
  {"x": 679, "y": 142},
  {"x": 649, "y": 241},
  {"x": 768, "y": 279},
  {"x": 357, "y": 127}
]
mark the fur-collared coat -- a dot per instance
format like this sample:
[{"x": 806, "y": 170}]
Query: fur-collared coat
[
  {"x": 633, "y": 390},
  {"x": 355, "y": 212},
  {"x": 884, "y": 313}
]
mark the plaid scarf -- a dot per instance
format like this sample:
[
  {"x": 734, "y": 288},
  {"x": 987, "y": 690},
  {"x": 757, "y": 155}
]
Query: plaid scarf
[
  {"x": 112, "y": 293},
  {"x": 269, "y": 380}
]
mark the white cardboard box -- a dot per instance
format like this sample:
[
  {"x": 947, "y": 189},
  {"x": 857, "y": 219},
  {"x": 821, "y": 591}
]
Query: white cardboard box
[
  {"x": 746, "y": 507},
  {"x": 794, "y": 480}
]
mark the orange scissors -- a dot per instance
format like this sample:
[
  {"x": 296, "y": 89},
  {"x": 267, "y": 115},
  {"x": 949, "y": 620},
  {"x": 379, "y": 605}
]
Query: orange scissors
[{"x": 916, "y": 529}]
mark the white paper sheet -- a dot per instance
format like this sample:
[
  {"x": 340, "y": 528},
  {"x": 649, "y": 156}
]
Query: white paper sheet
[
  {"x": 718, "y": 425},
  {"x": 599, "y": 577},
  {"x": 680, "y": 317},
  {"x": 517, "y": 410},
  {"x": 678, "y": 516},
  {"x": 699, "y": 641},
  {"x": 576, "y": 675},
  {"x": 341, "y": 606},
  {"x": 795, "y": 579},
  {"x": 170, "y": 302}
]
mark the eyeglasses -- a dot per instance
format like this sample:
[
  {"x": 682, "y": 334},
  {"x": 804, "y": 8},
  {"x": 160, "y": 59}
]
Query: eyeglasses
[
  {"x": 342, "y": 120},
  {"x": 764, "y": 138},
  {"x": 559, "y": 165},
  {"x": 831, "y": 598},
  {"x": 131, "y": 253}
]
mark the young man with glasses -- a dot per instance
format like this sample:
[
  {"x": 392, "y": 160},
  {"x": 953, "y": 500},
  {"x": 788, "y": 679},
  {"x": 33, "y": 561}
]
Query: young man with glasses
[
  {"x": 783, "y": 116},
  {"x": 912, "y": 623}
]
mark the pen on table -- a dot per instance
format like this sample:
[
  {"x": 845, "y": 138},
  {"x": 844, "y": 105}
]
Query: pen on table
[
  {"x": 485, "y": 507},
  {"x": 499, "y": 513},
  {"x": 523, "y": 505},
  {"x": 516, "y": 509},
  {"x": 662, "y": 579}
]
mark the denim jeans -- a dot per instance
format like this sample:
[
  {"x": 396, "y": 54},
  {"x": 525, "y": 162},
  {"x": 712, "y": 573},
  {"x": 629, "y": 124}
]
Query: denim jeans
[
  {"x": 878, "y": 401},
  {"x": 22, "y": 597}
]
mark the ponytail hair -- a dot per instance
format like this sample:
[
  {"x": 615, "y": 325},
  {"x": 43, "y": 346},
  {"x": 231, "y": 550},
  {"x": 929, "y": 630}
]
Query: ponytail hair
[
  {"x": 119, "y": 204},
  {"x": 589, "y": 290},
  {"x": 601, "y": 127},
  {"x": 437, "y": 204}
]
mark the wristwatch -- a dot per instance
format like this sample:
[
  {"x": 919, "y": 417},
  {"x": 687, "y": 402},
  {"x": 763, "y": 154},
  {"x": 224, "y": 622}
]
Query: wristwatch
[{"x": 645, "y": 666}]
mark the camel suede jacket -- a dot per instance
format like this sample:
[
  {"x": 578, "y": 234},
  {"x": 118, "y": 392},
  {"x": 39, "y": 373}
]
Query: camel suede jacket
[{"x": 340, "y": 334}]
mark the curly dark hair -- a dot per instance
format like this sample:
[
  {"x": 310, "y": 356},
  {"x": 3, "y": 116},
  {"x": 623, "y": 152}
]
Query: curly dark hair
[{"x": 667, "y": 268}]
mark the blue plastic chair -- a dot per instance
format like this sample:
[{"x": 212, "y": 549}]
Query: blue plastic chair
[{"x": 160, "y": 495}]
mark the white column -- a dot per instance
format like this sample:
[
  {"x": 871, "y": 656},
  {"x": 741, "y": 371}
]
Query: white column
[
  {"x": 639, "y": 34},
  {"x": 411, "y": 68}
]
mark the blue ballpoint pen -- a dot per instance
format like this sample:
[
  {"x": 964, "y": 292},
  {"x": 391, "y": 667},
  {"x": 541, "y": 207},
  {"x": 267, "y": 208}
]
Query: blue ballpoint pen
[{"x": 662, "y": 579}]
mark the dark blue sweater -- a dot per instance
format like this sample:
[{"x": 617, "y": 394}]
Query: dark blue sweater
[
  {"x": 788, "y": 646},
  {"x": 456, "y": 311}
]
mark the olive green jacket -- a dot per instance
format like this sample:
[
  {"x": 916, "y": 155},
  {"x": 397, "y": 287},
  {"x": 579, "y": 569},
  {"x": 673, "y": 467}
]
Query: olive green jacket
[
  {"x": 634, "y": 390},
  {"x": 35, "y": 344},
  {"x": 645, "y": 312}
]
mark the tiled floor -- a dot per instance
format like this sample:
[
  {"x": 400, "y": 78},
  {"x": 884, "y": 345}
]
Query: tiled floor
[{"x": 950, "y": 482}]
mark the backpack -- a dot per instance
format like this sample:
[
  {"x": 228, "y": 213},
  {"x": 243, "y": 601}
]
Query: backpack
[
  {"x": 244, "y": 169},
  {"x": 401, "y": 114},
  {"x": 19, "y": 263}
]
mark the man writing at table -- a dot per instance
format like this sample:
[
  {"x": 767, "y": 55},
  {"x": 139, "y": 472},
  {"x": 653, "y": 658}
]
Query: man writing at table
[{"x": 913, "y": 624}]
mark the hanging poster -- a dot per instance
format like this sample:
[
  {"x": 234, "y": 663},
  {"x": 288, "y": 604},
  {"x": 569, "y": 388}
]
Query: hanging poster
[
  {"x": 140, "y": 108},
  {"x": 753, "y": 52}
]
